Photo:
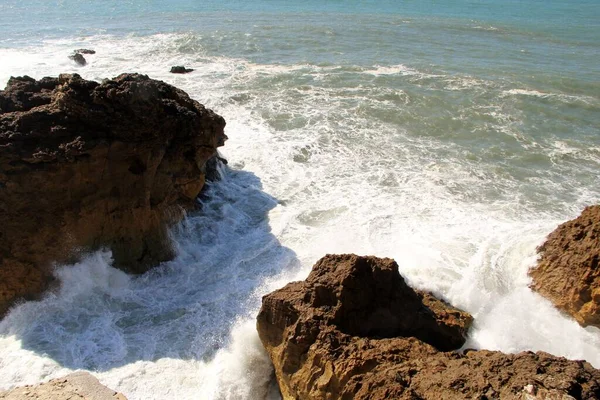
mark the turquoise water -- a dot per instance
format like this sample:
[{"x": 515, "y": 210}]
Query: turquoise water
[{"x": 451, "y": 136}]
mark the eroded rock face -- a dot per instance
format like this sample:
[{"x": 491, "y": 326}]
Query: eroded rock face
[
  {"x": 568, "y": 271},
  {"x": 345, "y": 320},
  {"x": 355, "y": 330},
  {"x": 85, "y": 165}
]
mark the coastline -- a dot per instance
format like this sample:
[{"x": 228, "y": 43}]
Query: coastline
[{"x": 452, "y": 139}]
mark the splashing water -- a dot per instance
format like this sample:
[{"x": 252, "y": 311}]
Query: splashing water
[{"x": 450, "y": 144}]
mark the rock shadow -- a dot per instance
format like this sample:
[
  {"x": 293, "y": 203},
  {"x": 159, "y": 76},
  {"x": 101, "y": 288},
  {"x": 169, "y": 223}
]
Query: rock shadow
[{"x": 102, "y": 319}]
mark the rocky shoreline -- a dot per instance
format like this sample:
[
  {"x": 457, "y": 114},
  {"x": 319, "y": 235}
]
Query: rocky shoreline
[
  {"x": 87, "y": 165},
  {"x": 355, "y": 330}
]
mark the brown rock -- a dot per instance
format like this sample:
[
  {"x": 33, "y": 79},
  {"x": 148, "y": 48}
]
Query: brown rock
[
  {"x": 567, "y": 272},
  {"x": 78, "y": 385},
  {"x": 355, "y": 330},
  {"x": 85, "y": 165}
]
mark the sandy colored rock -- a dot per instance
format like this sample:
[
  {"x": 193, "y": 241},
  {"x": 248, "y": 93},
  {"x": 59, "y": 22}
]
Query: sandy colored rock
[
  {"x": 76, "y": 386},
  {"x": 355, "y": 330},
  {"x": 567, "y": 272},
  {"x": 85, "y": 165}
]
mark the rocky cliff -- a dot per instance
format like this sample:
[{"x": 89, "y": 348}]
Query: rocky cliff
[
  {"x": 86, "y": 165},
  {"x": 355, "y": 330},
  {"x": 568, "y": 271}
]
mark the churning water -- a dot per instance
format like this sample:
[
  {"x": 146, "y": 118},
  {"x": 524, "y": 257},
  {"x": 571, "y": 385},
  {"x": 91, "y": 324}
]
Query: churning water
[{"x": 452, "y": 138}]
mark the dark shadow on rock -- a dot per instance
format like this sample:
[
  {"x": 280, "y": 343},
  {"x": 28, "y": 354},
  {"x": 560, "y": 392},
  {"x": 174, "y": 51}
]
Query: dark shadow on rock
[{"x": 183, "y": 309}]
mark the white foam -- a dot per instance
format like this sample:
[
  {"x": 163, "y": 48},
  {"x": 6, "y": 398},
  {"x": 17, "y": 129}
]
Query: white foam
[
  {"x": 343, "y": 179},
  {"x": 399, "y": 69},
  {"x": 544, "y": 95}
]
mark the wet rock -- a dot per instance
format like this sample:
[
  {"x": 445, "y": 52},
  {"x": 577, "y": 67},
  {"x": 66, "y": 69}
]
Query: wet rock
[
  {"x": 85, "y": 165},
  {"x": 180, "y": 70},
  {"x": 355, "y": 330},
  {"x": 85, "y": 51},
  {"x": 78, "y": 385},
  {"x": 568, "y": 271},
  {"x": 78, "y": 58}
]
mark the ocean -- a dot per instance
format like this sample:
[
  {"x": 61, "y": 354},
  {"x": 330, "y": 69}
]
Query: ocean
[{"x": 451, "y": 136}]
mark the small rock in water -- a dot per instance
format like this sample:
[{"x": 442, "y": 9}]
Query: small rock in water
[
  {"x": 180, "y": 69},
  {"x": 78, "y": 58},
  {"x": 85, "y": 51}
]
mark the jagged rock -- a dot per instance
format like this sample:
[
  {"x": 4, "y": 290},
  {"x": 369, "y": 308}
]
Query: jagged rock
[
  {"x": 85, "y": 165},
  {"x": 78, "y": 385},
  {"x": 180, "y": 70},
  {"x": 355, "y": 330},
  {"x": 568, "y": 271},
  {"x": 78, "y": 58},
  {"x": 85, "y": 51}
]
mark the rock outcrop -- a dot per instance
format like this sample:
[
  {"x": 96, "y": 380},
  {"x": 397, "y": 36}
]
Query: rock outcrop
[
  {"x": 568, "y": 271},
  {"x": 355, "y": 330},
  {"x": 78, "y": 385},
  {"x": 85, "y": 165},
  {"x": 78, "y": 58}
]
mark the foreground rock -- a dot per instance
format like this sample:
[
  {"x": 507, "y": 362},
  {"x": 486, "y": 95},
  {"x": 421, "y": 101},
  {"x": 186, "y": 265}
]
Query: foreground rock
[
  {"x": 85, "y": 165},
  {"x": 79, "y": 385},
  {"x": 568, "y": 271},
  {"x": 355, "y": 330}
]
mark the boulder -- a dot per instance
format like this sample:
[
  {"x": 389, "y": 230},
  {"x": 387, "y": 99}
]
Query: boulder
[
  {"x": 78, "y": 58},
  {"x": 355, "y": 330},
  {"x": 180, "y": 70},
  {"x": 568, "y": 272},
  {"x": 87, "y": 165},
  {"x": 78, "y": 385}
]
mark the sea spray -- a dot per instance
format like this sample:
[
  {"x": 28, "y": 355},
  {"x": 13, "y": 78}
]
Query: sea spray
[{"x": 452, "y": 139}]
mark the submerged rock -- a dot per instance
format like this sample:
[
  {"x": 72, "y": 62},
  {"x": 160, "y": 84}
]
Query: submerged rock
[
  {"x": 85, "y": 166},
  {"x": 180, "y": 70},
  {"x": 568, "y": 271},
  {"x": 78, "y": 58},
  {"x": 78, "y": 385},
  {"x": 85, "y": 51},
  {"x": 355, "y": 330}
]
